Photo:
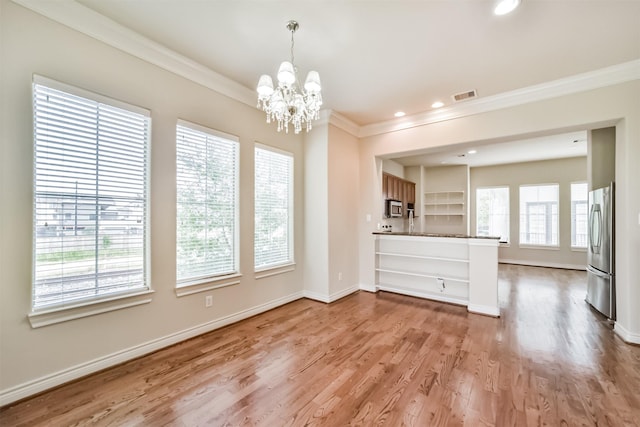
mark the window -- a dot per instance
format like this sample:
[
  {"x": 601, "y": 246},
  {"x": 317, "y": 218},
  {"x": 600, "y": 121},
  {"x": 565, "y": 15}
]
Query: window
[
  {"x": 492, "y": 212},
  {"x": 539, "y": 215},
  {"x": 90, "y": 196},
  {"x": 579, "y": 211},
  {"x": 206, "y": 204},
  {"x": 273, "y": 240}
]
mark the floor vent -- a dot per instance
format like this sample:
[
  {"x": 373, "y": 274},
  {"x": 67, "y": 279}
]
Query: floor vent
[{"x": 465, "y": 95}]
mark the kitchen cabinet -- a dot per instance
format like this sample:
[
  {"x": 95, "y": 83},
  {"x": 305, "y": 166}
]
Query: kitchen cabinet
[{"x": 397, "y": 188}]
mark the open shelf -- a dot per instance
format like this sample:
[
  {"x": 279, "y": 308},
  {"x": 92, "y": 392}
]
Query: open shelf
[{"x": 444, "y": 204}]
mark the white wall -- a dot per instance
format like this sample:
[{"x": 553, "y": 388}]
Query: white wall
[
  {"x": 441, "y": 179},
  {"x": 316, "y": 216},
  {"x": 393, "y": 167},
  {"x": 601, "y": 158},
  {"x": 559, "y": 171},
  {"x": 34, "y": 358},
  {"x": 343, "y": 212},
  {"x": 331, "y": 209},
  {"x": 617, "y": 105}
]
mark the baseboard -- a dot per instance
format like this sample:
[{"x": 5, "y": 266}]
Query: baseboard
[
  {"x": 626, "y": 335},
  {"x": 543, "y": 264},
  {"x": 426, "y": 295},
  {"x": 368, "y": 288},
  {"x": 49, "y": 381},
  {"x": 484, "y": 310},
  {"x": 317, "y": 296}
]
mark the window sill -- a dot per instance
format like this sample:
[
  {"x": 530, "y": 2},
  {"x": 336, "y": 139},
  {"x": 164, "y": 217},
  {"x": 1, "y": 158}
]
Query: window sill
[
  {"x": 578, "y": 249},
  {"x": 272, "y": 271},
  {"x": 543, "y": 247},
  {"x": 52, "y": 315},
  {"x": 207, "y": 284}
]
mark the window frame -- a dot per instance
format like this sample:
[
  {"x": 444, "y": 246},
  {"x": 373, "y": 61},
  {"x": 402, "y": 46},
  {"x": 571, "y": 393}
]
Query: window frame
[
  {"x": 202, "y": 283},
  {"x": 548, "y": 226},
  {"x": 506, "y": 242},
  {"x": 43, "y": 315},
  {"x": 265, "y": 270}
]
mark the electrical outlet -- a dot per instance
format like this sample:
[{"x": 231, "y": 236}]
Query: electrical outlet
[
  {"x": 441, "y": 283},
  {"x": 208, "y": 301},
  {"x": 339, "y": 276}
]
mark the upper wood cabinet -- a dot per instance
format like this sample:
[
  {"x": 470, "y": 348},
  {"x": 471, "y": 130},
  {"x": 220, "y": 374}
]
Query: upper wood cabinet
[{"x": 397, "y": 188}]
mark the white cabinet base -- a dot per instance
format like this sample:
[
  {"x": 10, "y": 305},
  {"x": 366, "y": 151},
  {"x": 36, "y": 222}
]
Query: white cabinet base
[{"x": 456, "y": 270}]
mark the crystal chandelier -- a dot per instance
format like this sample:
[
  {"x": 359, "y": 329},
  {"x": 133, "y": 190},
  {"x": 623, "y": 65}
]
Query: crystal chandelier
[{"x": 289, "y": 103}]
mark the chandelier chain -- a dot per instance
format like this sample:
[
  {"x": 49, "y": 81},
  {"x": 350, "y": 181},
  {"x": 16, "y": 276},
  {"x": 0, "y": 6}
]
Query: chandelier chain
[{"x": 292, "y": 44}]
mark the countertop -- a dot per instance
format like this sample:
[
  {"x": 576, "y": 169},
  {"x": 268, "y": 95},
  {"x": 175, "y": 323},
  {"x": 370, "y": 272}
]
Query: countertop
[{"x": 421, "y": 234}]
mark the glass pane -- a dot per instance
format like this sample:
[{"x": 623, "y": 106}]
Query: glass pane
[
  {"x": 492, "y": 212},
  {"x": 206, "y": 175},
  {"x": 539, "y": 215}
]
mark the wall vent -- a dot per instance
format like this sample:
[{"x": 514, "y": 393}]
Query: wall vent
[{"x": 464, "y": 95}]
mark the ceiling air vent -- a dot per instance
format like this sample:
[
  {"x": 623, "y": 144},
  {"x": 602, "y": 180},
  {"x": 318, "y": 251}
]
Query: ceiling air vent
[{"x": 464, "y": 95}]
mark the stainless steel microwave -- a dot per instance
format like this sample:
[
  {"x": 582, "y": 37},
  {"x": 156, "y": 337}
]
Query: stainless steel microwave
[{"x": 393, "y": 208}]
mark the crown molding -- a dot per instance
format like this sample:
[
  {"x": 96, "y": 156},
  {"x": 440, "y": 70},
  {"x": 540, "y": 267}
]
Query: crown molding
[
  {"x": 603, "y": 77},
  {"x": 85, "y": 20},
  {"x": 338, "y": 120},
  {"x": 91, "y": 23}
]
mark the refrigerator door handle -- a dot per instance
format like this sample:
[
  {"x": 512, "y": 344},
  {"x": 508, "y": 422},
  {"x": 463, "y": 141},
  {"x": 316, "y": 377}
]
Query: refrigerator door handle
[
  {"x": 597, "y": 272},
  {"x": 595, "y": 228}
]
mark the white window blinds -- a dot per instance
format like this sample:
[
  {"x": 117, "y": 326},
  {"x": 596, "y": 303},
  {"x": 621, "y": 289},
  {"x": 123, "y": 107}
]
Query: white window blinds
[
  {"x": 273, "y": 208},
  {"x": 207, "y": 194},
  {"x": 90, "y": 191}
]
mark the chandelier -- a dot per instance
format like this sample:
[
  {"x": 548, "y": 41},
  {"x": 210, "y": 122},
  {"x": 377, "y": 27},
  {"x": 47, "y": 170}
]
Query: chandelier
[{"x": 289, "y": 103}]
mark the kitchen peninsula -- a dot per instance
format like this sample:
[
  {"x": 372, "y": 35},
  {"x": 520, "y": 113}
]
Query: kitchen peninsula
[{"x": 457, "y": 269}]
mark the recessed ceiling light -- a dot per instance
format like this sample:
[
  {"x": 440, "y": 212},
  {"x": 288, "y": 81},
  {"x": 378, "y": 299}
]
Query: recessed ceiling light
[
  {"x": 437, "y": 104},
  {"x": 472, "y": 151},
  {"x": 399, "y": 114},
  {"x": 505, "y": 6}
]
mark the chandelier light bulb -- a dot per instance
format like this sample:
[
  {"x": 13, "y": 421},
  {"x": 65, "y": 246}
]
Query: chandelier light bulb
[
  {"x": 505, "y": 6},
  {"x": 265, "y": 86},
  {"x": 288, "y": 103},
  {"x": 312, "y": 84},
  {"x": 286, "y": 74}
]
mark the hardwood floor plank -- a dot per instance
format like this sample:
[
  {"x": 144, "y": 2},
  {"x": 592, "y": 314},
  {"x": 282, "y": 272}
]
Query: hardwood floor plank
[{"x": 375, "y": 359}]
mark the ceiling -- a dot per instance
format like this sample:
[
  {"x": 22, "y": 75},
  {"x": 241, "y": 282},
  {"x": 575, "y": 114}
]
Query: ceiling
[
  {"x": 570, "y": 144},
  {"x": 377, "y": 57}
]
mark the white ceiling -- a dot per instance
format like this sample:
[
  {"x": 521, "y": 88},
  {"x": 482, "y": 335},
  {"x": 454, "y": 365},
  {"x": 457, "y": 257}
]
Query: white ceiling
[
  {"x": 571, "y": 144},
  {"x": 377, "y": 57}
]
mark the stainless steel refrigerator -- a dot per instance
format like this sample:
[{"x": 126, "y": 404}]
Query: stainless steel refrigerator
[{"x": 601, "y": 285}]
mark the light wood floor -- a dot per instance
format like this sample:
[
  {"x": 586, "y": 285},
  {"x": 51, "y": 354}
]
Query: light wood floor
[{"x": 373, "y": 359}]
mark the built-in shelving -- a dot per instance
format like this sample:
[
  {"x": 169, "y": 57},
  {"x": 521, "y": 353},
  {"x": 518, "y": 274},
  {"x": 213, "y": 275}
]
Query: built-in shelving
[
  {"x": 436, "y": 268},
  {"x": 458, "y": 270},
  {"x": 444, "y": 203}
]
